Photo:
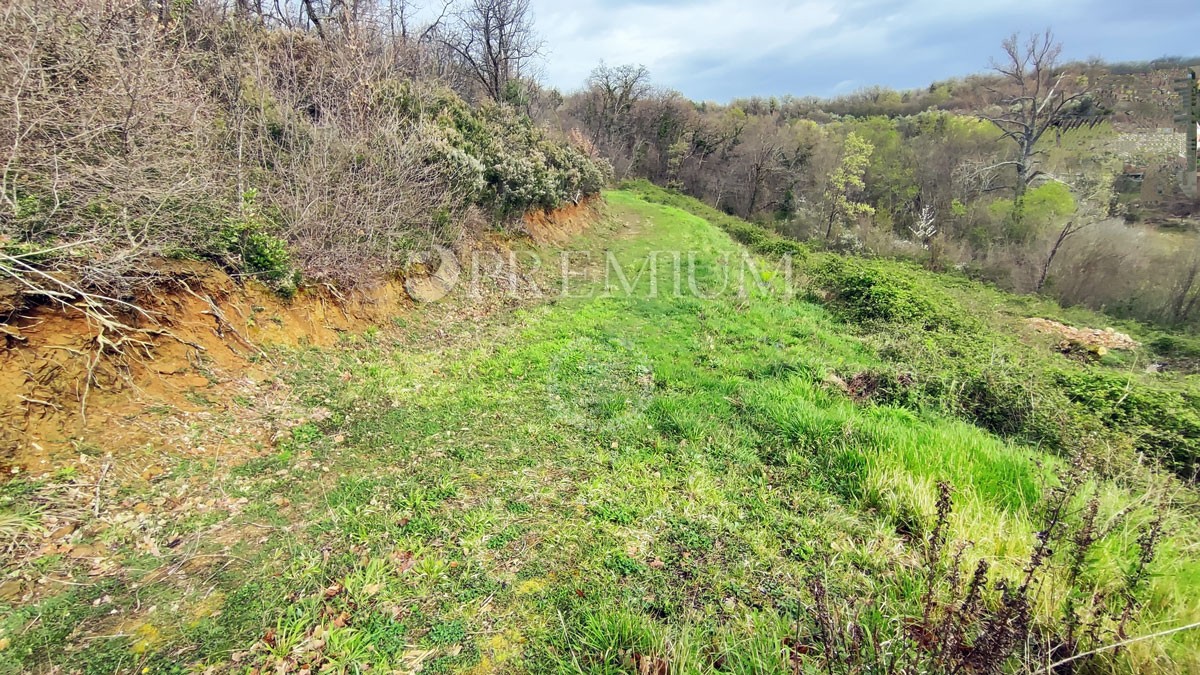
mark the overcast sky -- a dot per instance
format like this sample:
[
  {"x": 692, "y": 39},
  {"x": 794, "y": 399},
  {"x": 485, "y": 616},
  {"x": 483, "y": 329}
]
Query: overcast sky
[{"x": 722, "y": 49}]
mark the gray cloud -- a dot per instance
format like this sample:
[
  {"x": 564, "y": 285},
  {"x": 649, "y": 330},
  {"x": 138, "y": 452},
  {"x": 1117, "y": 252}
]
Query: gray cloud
[{"x": 720, "y": 49}]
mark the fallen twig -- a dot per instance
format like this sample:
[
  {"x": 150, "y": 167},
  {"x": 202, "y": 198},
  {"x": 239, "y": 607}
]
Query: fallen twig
[
  {"x": 99, "y": 483},
  {"x": 39, "y": 401}
]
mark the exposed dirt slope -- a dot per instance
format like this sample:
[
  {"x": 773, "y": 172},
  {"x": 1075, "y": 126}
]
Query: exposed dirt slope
[
  {"x": 211, "y": 328},
  {"x": 64, "y": 392}
]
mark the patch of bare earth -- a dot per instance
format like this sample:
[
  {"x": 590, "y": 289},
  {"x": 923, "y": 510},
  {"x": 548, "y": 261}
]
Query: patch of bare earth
[{"x": 1090, "y": 341}]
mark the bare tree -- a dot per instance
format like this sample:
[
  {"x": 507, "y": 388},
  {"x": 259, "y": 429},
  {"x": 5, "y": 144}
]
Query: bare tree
[
  {"x": 495, "y": 41},
  {"x": 1034, "y": 95},
  {"x": 611, "y": 93},
  {"x": 1071, "y": 228},
  {"x": 760, "y": 157},
  {"x": 1095, "y": 195}
]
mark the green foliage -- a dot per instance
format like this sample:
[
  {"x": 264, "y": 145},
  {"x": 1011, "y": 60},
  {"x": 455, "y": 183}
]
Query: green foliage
[
  {"x": 1164, "y": 424},
  {"x": 889, "y": 180},
  {"x": 841, "y": 205},
  {"x": 447, "y": 633},
  {"x": 251, "y": 241},
  {"x": 621, "y": 564},
  {"x": 863, "y": 293},
  {"x": 1041, "y": 207},
  {"x": 29, "y": 221}
]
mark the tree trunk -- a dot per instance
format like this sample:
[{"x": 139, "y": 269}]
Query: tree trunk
[
  {"x": 754, "y": 189},
  {"x": 1024, "y": 164},
  {"x": 1062, "y": 236},
  {"x": 312, "y": 16}
]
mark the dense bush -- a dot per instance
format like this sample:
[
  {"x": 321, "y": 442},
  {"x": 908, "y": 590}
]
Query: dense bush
[
  {"x": 999, "y": 383},
  {"x": 861, "y": 292},
  {"x": 527, "y": 170},
  {"x": 356, "y": 155}
]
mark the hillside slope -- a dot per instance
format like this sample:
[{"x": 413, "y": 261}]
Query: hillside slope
[{"x": 645, "y": 473}]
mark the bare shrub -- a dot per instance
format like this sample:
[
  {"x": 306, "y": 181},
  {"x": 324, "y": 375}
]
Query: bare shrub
[
  {"x": 133, "y": 131},
  {"x": 354, "y": 207},
  {"x": 333, "y": 141},
  {"x": 105, "y": 143}
]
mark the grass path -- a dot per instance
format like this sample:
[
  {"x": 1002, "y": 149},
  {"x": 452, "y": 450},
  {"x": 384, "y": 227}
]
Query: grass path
[{"x": 601, "y": 484}]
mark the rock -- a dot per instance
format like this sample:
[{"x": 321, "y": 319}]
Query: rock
[{"x": 1095, "y": 341}]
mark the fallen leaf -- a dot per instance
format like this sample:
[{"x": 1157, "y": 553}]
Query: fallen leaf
[
  {"x": 651, "y": 665},
  {"x": 403, "y": 560},
  {"x": 334, "y": 590},
  {"x": 63, "y": 532}
]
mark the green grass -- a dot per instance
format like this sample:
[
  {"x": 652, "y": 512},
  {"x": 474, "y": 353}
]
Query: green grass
[{"x": 593, "y": 484}]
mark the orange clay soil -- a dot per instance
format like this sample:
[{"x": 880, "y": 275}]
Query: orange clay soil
[
  {"x": 163, "y": 395},
  {"x": 156, "y": 393},
  {"x": 560, "y": 225}
]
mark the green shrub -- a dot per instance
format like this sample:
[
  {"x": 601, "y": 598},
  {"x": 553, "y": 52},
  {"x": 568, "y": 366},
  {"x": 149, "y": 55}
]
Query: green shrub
[
  {"x": 863, "y": 294},
  {"x": 527, "y": 170},
  {"x": 1176, "y": 346},
  {"x": 249, "y": 240}
]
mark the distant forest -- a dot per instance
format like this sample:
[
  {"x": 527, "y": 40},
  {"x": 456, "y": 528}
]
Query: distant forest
[{"x": 964, "y": 174}]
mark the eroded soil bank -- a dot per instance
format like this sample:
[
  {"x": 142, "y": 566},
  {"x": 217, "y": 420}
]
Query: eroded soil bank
[{"x": 69, "y": 388}]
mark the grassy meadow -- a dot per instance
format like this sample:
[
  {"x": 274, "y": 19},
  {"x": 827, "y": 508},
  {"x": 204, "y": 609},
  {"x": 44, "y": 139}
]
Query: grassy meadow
[{"x": 641, "y": 482}]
